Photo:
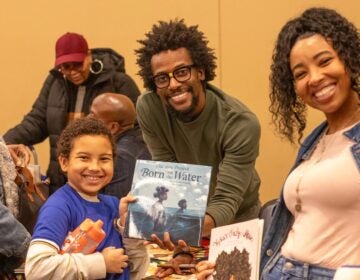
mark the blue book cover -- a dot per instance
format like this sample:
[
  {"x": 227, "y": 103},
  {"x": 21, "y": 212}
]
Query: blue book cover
[{"x": 171, "y": 197}]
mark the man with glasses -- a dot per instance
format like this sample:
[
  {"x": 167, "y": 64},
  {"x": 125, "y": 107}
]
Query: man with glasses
[
  {"x": 186, "y": 119},
  {"x": 80, "y": 74}
]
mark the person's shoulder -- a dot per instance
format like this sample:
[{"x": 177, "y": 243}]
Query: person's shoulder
[
  {"x": 314, "y": 134},
  {"x": 108, "y": 67},
  {"x": 60, "y": 204},
  {"x": 130, "y": 140},
  {"x": 111, "y": 75},
  {"x": 148, "y": 100},
  {"x": 130, "y": 137},
  {"x": 230, "y": 104},
  {"x": 148, "y": 96},
  {"x": 109, "y": 199},
  {"x": 52, "y": 77},
  {"x": 354, "y": 132},
  {"x": 108, "y": 58},
  {"x": 62, "y": 196}
]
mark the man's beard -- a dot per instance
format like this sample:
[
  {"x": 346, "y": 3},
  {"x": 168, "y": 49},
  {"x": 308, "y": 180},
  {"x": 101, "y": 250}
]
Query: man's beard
[{"x": 187, "y": 115}]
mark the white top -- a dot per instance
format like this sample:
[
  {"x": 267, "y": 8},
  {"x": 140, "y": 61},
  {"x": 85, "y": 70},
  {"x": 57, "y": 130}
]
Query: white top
[{"x": 326, "y": 230}]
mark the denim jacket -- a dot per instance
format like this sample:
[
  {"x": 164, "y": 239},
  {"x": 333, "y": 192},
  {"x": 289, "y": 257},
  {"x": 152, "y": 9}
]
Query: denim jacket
[
  {"x": 282, "y": 219},
  {"x": 14, "y": 241}
]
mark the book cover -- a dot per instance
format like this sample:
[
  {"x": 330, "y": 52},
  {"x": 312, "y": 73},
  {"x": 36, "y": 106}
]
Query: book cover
[
  {"x": 171, "y": 197},
  {"x": 235, "y": 249}
]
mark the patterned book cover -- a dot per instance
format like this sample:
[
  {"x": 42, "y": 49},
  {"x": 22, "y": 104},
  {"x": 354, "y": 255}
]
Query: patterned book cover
[
  {"x": 235, "y": 249},
  {"x": 171, "y": 197}
]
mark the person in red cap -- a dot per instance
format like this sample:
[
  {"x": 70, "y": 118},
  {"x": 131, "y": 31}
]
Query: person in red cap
[
  {"x": 80, "y": 74},
  {"x": 73, "y": 58}
]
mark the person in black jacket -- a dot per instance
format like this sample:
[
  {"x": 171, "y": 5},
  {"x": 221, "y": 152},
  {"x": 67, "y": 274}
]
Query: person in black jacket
[{"x": 80, "y": 74}]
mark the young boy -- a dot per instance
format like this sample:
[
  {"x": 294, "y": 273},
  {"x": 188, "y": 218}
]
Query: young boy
[{"x": 85, "y": 152}]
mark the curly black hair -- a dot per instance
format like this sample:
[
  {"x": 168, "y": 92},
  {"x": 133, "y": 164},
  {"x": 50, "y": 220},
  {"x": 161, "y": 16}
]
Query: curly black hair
[
  {"x": 160, "y": 190},
  {"x": 173, "y": 35},
  {"x": 181, "y": 202},
  {"x": 82, "y": 127},
  {"x": 288, "y": 112}
]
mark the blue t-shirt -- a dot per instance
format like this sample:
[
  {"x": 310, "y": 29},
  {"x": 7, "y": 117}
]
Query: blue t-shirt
[{"x": 65, "y": 210}]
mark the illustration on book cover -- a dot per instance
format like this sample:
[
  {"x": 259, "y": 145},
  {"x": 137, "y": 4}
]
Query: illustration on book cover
[
  {"x": 235, "y": 249},
  {"x": 171, "y": 197}
]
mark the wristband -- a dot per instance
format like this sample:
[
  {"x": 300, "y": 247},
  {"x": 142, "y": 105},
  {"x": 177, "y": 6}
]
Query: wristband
[{"x": 117, "y": 226}]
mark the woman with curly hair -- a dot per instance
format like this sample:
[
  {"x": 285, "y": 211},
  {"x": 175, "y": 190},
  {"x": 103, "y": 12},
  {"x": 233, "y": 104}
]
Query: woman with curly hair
[
  {"x": 316, "y": 63},
  {"x": 314, "y": 226}
]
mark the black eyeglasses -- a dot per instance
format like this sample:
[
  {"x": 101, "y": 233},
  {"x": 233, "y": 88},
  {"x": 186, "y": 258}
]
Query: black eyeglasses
[{"x": 181, "y": 75}]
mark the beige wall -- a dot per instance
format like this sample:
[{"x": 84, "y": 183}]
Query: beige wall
[{"x": 242, "y": 33}]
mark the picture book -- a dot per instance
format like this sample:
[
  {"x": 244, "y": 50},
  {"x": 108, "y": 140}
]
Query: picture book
[
  {"x": 235, "y": 249},
  {"x": 171, "y": 197}
]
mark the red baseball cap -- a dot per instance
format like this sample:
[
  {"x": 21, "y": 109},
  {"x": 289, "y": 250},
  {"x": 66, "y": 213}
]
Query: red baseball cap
[{"x": 70, "y": 47}]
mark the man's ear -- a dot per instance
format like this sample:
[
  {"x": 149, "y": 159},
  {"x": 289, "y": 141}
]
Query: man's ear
[
  {"x": 63, "y": 161},
  {"x": 201, "y": 74},
  {"x": 114, "y": 128}
]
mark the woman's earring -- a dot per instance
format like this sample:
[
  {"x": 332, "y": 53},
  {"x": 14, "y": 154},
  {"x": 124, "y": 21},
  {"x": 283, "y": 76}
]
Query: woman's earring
[{"x": 96, "y": 66}]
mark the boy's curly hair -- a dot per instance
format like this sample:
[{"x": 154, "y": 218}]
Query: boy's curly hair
[
  {"x": 288, "y": 112},
  {"x": 82, "y": 127},
  {"x": 173, "y": 35}
]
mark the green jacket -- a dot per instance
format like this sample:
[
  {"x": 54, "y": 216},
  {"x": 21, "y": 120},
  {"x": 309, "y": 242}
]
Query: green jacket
[{"x": 225, "y": 136}]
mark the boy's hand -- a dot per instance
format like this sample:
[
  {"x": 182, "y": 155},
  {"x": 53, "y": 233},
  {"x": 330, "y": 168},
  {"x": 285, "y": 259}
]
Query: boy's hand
[
  {"x": 123, "y": 207},
  {"x": 115, "y": 260}
]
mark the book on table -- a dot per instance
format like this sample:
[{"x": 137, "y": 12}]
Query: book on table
[
  {"x": 171, "y": 197},
  {"x": 235, "y": 249}
]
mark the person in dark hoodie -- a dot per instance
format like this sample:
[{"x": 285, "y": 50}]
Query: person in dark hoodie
[{"x": 80, "y": 74}]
